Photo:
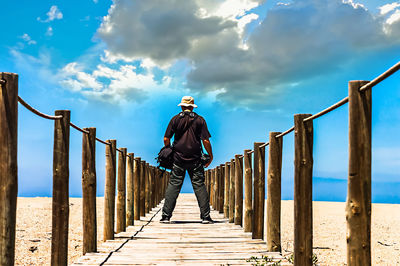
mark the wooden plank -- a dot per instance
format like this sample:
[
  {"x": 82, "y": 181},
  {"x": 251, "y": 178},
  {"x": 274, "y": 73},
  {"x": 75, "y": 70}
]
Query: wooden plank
[{"x": 184, "y": 241}]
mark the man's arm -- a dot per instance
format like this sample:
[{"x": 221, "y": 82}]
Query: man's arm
[
  {"x": 207, "y": 146},
  {"x": 167, "y": 141}
]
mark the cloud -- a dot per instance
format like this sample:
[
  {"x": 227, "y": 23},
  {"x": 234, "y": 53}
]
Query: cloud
[
  {"x": 49, "y": 31},
  {"x": 28, "y": 39},
  {"x": 119, "y": 86},
  {"x": 293, "y": 44},
  {"x": 388, "y": 8},
  {"x": 53, "y": 14}
]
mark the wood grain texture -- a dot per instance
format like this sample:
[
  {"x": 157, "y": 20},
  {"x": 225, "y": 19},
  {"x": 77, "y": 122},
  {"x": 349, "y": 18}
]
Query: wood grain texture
[
  {"x": 60, "y": 205},
  {"x": 129, "y": 190},
  {"x": 8, "y": 166},
  {"x": 183, "y": 242},
  {"x": 226, "y": 190},
  {"x": 232, "y": 192},
  {"x": 358, "y": 206},
  {"x": 136, "y": 188},
  {"x": 121, "y": 191},
  {"x": 89, "y": 219},
  {"x": 303, "y": 167},
  {"x": 221, "y": 188},
  {"x": 109, "y": 191},
  {"x": 248, "y": 192},
  {"x": 238, "y": 190},
  {"x": 274, "y": 188},
  {"x": 259, "y": 191},
  {"x": 142, "y": 188}
]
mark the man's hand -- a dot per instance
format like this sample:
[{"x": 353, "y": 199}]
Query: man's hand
[{"x": 207, "y": 146}]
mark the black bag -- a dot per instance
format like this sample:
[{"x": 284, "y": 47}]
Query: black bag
[{"x": 165, "y": 158}]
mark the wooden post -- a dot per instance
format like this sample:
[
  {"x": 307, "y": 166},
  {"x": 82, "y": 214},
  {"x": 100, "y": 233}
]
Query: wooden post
[
  {"x": 121, "y": 196},
  {"x": 129, "y": 191},
  {"x": 136, "y": 188},
  {"x": 303, "y": 167},
  {"x": 226, "y": 190},
  {"x": 8, "y": 165},
  {"x": 259, "y": 191},
  {"x": 238, "y": 190},
  {"x": 216, "y": 187},
  {"x": 60, "y": 208},
  {"x": 147, "y": 189},
  {"x": 109, "y": 193},
  {"x": 232, "y": 193},
  {"x": 274, "y": 193},
  {"x": 212, "y": 188},
  {"x": 89, "y": 191},
  {"x": 248, "y": 195},
  {"x": 206, "y": 179},
  {"x": 358, "y": 206},
  {"x": 209, "y": 184},
  {"x": 221, "y": 187},
  {"x": 155, "y": 174},
  {"x": 142, "y": 188}
]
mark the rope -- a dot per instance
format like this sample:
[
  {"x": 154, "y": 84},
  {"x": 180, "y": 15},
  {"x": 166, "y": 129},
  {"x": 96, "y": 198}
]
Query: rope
[
  {"x": 264, "y": 145},
  {"x": 78, "y": 128},
  {"x": 327, "y": 110},
  {"x": 102, "y": 141},
  {"x": 2, "y": 81},
  {"x": 381, "y": 77},
  {"x": 36, "y": 112},
  {"x": 285, "y": 133}
]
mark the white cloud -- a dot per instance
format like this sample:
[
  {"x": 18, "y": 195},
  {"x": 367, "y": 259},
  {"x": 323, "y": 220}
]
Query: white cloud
[
  {"x": 118, "y": 86},
  {"x": 49, "y": 31},
  {"x": 385, "y": 9},
  {"x": 53, "y": 14},
  {"x": 28, "y": 39},
  {"x": 295, "y": 43}
]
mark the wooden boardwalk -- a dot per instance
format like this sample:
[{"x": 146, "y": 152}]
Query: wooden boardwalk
[{"x": 185, "y": 241}]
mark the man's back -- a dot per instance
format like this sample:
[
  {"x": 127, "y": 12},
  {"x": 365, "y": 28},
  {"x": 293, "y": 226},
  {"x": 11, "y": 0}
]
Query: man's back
[{"x": 188, "y": 129}]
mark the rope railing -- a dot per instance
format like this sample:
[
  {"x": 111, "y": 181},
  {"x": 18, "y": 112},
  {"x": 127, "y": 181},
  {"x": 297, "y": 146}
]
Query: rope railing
[
  {"x": 130, "y": 171},
  {"x": 228, "y": 178},
  {"x": 78, "y": 128},
  {"x": 36, "y": 112}
]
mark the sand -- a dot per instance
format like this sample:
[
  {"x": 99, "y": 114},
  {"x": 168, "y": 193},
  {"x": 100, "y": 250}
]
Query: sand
[{"x": 33, "y": 244}]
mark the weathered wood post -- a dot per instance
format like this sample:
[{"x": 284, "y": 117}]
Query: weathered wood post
[
  {"x": 136, "y": 188},
  {"x": 358, "y": 206},
  {"x": 248, "y": 195},
  {"x": 232, "y": 192},
  {"x": 274, "y": 193},
  {"x": 121, "y": 196},
  {"x": 259, "y": 191},
  {"x": 60, "y": 208},
  {"x": 303, "y": 167},
  {"x": 147, "y": 189},
  {"x": 206, "y": 181},
  {"x": 238, "y": 190},
  {"x": 89, "y": 191},
  {"x": 212, "y": 188},
  {"x": 129, "y": 191},
  {"x": 153, "y": 186},
  {"x": 8, "y": 165},
  {"x": 217, "y": 186},
  {"x": 109, "y": 193},
  {"x": 142, "y": 188},
  {"x": 226, "y": 190},
  {"x": 221, "y": 187}
]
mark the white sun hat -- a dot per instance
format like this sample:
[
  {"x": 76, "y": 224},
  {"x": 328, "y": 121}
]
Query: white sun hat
[{"x": 187, "y": 101}]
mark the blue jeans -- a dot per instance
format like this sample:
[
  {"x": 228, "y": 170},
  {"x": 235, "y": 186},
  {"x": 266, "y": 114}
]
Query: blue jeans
[{"x": 196, "y": 173}]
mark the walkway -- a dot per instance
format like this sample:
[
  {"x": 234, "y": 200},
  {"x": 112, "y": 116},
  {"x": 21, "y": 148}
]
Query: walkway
[{"x": 185, "y": 241}]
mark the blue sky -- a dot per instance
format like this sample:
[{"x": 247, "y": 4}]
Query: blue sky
[{"x": 122, "y": 66}]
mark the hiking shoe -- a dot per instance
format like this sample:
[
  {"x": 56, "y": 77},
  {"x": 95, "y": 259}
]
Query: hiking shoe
[
  {"x": 165, "y": 220},
  {"x": 207, "y": 220}
]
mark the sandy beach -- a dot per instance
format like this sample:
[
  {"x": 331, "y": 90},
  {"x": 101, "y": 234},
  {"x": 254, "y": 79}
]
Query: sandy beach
[{"x": 33, "y": 242}]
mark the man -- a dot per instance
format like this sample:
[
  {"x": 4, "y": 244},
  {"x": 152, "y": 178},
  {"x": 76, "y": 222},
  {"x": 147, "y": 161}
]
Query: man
[{"x": 189, "y": 130}]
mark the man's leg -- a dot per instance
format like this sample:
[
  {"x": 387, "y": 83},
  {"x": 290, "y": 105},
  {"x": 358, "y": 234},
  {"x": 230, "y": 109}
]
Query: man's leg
[
  {"x": 197, "y": 177},
  {"x": 173, "y": 189}
]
